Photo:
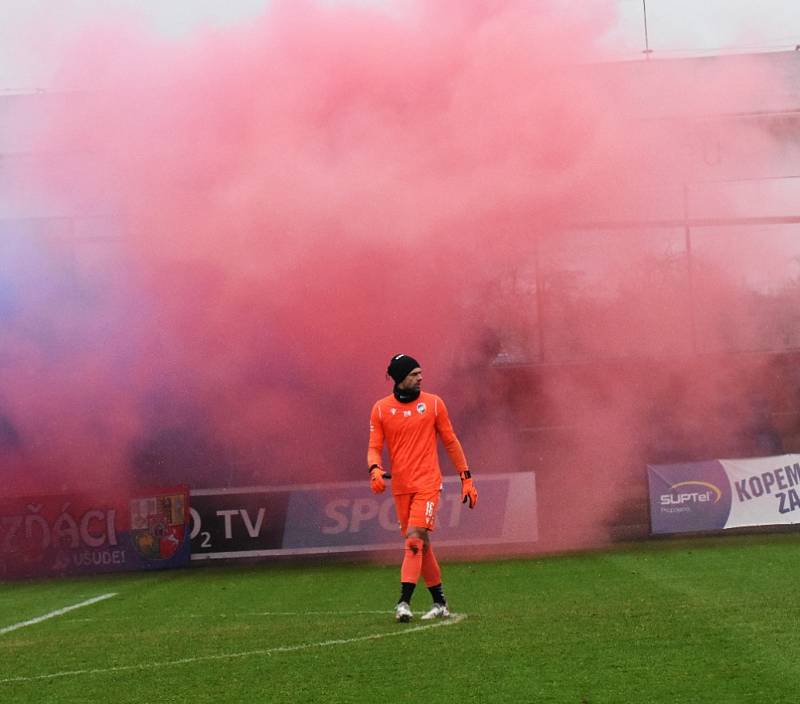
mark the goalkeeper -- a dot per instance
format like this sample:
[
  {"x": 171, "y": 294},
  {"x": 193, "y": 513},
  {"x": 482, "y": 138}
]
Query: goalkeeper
[{"x": 408, "y": 421}]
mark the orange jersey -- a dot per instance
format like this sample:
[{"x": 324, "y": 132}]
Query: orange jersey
[{"x": 409, "y": 431}]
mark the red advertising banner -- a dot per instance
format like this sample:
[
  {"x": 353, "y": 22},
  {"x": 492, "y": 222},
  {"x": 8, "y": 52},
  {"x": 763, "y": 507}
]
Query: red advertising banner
[{"x": 44, "y": 536}]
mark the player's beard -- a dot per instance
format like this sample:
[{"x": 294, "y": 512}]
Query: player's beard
[{"x": 406, "y": 395}]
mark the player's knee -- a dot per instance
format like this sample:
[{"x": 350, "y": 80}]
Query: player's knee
[
  {"x": 415, "y": 532},
  {"x": 414, "y": 545}
]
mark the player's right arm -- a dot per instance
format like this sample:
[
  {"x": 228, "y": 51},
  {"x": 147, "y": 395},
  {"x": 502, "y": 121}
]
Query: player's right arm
[{"x": 375, "y": 450}]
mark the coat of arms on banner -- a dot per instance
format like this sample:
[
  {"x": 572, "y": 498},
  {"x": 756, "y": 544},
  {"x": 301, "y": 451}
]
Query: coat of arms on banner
[{"x": 158, "y": 525}]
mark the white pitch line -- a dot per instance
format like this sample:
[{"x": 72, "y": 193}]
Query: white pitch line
[
  {"x": 454, "y": 619},
  {"x": 53, "y": 614},
  {"x": 179, "y": 615}
]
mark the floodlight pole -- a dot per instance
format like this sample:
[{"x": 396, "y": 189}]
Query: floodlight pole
[
  {"x": 687, "y": 231},
  {"x": 647, "y": 50},
  {"x": 540, "y": 293}
]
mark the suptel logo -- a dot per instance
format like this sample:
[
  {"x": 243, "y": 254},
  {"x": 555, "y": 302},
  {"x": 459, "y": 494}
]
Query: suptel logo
[{"x": 691, "y": 492}]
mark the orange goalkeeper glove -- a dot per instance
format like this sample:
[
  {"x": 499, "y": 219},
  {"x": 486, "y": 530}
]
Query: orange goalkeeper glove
[
  {"x": 468, "y": 491},
  {"x": 376, "y": 482}
]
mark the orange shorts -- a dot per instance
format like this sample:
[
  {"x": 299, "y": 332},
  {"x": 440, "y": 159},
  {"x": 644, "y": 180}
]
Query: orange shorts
[{"x": 418, "y": 509}]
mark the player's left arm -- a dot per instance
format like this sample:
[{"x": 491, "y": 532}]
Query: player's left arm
[{"x": 469, "y": 494}]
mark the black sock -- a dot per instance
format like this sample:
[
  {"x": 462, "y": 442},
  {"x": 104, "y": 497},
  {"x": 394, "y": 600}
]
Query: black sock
[
  {"x": 406, "y": 590},
  {"x": 437, "y": 594}
]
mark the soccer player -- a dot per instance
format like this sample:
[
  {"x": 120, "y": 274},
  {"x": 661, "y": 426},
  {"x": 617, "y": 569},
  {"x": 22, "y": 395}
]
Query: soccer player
[{"x": 408, "y": 421}]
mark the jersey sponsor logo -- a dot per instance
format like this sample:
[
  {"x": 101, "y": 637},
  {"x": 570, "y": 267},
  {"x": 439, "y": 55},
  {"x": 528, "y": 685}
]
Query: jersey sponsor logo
[
  {"x": 421, "y": 408},
  {"x": 407, "y": 414}
]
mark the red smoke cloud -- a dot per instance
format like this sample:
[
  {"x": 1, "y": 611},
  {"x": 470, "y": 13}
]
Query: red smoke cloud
[{"x": 303, "y": 197}]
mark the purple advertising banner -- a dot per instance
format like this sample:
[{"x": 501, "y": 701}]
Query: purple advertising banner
[
  {"x": 347, "y": 517},
  {"x": 721, "y": 494},
  {"x": 688, "y": 497},
  {"x": 42, "y": 536}
]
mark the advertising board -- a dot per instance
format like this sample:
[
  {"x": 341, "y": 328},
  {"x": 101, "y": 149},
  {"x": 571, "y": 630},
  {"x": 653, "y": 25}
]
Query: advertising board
[
  {"x": 346, "y": 517},
  {"x": 723, "y": 494},
  {"x": 54, "y": 535}
]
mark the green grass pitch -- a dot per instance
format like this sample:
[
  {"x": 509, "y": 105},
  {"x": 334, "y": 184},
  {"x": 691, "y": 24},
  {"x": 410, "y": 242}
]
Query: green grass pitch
[{"x": 706, "y": 620}]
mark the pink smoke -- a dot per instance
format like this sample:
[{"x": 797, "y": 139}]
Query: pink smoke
[{"x": 303, "y": 197}]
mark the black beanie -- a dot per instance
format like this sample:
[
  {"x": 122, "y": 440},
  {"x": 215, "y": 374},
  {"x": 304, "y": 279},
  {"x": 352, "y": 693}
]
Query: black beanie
[{"x": 400, "y": 366}]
